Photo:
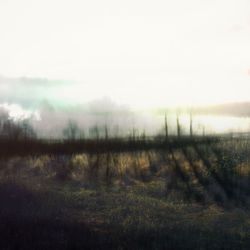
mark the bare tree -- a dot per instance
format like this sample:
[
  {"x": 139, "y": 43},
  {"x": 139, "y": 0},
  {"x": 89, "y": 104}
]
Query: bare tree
[
  {"x": 191, "y": 124},
  {"x": 94, "y": 132},
  {"x": 15, "y": 130},
  {"x": 106, "y": 132},
  {"x": 72, "y": 131},
  {"x": 166, "y": 126},
  {"x": 178, "y": 126}
]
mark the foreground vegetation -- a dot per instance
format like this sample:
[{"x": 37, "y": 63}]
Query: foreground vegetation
[{"x": 187, "y": 196}]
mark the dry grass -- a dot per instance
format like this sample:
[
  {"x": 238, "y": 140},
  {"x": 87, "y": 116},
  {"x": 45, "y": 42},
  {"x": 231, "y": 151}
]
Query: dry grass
[{"x": 156, "y": 199}]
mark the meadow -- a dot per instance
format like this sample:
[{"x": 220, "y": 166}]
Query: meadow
[{"x": 180, "y": 193}]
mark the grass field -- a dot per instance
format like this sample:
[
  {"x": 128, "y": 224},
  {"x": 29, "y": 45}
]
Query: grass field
[{"x": 178, "y": 195}]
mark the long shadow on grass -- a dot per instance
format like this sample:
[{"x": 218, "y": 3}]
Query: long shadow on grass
[
  {"x": 204, "y": 181},
  {"x": 26, "y": 223},
  {"x": 228, "y": 163},
  {"x": 185, "y": 178},
  {"x": 223, "y": 182}
]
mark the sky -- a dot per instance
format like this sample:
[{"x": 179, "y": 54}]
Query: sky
[{"x": 141, "y": 53}]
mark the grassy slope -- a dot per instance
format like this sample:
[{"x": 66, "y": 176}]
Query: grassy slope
[
  {"x": 50, "y": 215},
  {"x": 147, "y": 204}
]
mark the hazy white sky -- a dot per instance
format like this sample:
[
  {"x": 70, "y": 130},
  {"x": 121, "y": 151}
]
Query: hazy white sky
[{"x": 143, "y": 53}]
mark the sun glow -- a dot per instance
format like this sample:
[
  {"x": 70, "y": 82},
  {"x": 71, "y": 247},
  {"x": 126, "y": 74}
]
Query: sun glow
[
  {"x": 139, "y": 53},
  {"x": 16, "y": 112}
]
